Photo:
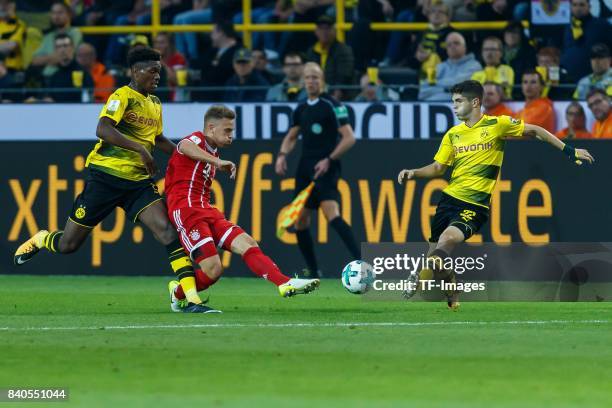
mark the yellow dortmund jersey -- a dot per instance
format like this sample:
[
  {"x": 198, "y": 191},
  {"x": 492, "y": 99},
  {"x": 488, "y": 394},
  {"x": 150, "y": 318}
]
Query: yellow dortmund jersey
[
  {"x": 476, "y": 155},
  {"x": 137, "y": 117},
  {"x": 13, "y": 30}
]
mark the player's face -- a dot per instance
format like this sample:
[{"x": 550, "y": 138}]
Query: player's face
[
  {"x": 222, "y": 131},
  {"x": 313, "y": 81},
  {"x": 146, "y": 75},
  {"x": 463, "y": 106}
]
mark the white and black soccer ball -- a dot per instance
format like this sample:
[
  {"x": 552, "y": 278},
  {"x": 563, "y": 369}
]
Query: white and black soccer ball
[{"x": 358, "y": 277}]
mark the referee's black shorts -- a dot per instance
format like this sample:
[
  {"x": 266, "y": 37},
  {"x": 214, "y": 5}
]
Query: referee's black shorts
[
  {"x": 104, "y": 192},
  {"x": 469, "y": 218},
  {"x": 326, "y": 186}
]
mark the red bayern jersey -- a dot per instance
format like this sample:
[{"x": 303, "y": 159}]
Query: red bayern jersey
[{"x": 188, "y": 181}]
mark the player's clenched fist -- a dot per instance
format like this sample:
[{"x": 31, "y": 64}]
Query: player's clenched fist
[
  {"x": 405, "y": 175},
  {"x": 228, "y": 167}
]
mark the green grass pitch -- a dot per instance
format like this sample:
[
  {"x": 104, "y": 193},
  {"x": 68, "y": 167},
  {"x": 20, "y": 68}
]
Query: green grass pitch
[{"x": 112, "y": 341}]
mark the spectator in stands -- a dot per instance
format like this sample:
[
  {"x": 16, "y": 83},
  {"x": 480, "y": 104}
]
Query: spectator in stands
[
  {"x": 599, "y": 103},
  {"x": 335, "y": 58},
  {"x": 104, "y": 83},
  {"x": 576, "y": 123},
  {"x": 245, "y": 77},
  {"x": 494, "y": 70},
  {"x": 168, "y": 10},
  {"x": 12, "y": 36},
  {"x": 369, "y": 45},
  {"x": 172, "y": 60},
  {"x": 517, "y": 51},
  {"x": 260, "y": 60},
  {"x": 438, "y": 15},
  {"x": 555, "y": 77},
  {"x": 8, "y": 80},
  {"x": 601, "y": 77},
  {"x": 303, "y": 11},
  {"x": 495, "y": 10},
  {"x": 375, "y": 91},
  {"x": 291, "y": 88},
  {"x": 118, "y": 43},
  {"x": 69, "y": 74},
  {"x": 579, "y": 36},
  {"x": 428, "y": 60},
  {"x": 45, "y": 57},
  {"x": 218, "y": 65},
  {"x": 105, "y": 12},
  {"x": 187, "y": 43},
  {"x": 538, "y": 109},
  {"x": 460, "y": 66},
  {"x": 465, "y": 11},
  {"x": 492, "y": 100}
]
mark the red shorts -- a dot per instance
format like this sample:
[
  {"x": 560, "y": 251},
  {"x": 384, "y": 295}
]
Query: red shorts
[{"x": 203, "y": 228}]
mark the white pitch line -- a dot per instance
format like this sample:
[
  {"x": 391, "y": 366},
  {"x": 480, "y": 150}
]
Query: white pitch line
[{"x": 314, "y": 324}]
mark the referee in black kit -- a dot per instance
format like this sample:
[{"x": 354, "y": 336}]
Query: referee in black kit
[{"x": 327, "y": 135}]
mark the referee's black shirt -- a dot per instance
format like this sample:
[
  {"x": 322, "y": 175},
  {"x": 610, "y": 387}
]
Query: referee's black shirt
[{"x": 319, "y": 121}]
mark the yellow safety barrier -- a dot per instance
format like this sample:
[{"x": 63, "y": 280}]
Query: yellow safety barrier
[{"x": 247, "y": 27}]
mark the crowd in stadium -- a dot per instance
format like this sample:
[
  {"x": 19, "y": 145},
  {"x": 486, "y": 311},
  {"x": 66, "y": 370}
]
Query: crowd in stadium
[{"x": 538, "y": 65}]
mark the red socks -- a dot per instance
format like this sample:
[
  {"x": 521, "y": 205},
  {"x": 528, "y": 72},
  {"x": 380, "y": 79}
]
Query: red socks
[
  {"x": 258, "y": 263},
  {"x": 202, "y": 282},
  {"x": 263, "y": 266}
]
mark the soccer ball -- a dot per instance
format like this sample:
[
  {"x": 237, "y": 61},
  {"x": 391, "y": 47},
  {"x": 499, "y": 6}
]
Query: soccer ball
[{"x": 358, "y": 277}]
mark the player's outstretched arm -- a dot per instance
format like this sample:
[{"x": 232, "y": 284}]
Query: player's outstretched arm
[
  {"x": 164, "y": 144},
  {"x": 106, "y": 131},
  {"x": 195, "y": 152},
  {"x": 575, "y": 154},
  {"x": 432, "y": 170},
  {"x": 287, "y": 147}
]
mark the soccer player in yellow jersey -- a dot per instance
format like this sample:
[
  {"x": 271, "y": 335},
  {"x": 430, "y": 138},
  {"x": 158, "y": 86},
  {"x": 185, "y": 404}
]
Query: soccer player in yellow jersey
[
  {"x": 475, "y": 150},
  {"x": 121, "y": 168}
]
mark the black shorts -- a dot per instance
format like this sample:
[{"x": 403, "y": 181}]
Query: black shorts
[
  {"x": 104, "y": 192},
  {"x": 469, "y": 218},
  {"x": 326, "y": 186}
]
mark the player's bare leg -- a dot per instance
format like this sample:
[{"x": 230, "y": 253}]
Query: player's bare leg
[
  {"x": 331, "y": 210},
  {"x": 262, "y": 266},
  {"x": 63, "y": 241},
  {"x": 448, "y": 240},
  {"x": 156, "y": 219},
  {"x": 306, "y": 244}
]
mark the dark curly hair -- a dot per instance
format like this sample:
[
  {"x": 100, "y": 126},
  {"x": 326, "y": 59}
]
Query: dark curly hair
[{"x": 142, "y": 54}]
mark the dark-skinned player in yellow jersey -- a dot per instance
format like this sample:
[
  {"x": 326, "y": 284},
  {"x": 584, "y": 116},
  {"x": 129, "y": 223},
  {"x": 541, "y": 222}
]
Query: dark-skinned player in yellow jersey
[
  {"x": 121, "y": 170},
  {"x": 475, "y": 150}
]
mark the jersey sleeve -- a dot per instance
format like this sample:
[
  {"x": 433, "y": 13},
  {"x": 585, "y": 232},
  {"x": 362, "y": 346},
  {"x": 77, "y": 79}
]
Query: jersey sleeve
[
  {"x": 446, "y": 153},
  {"x": 341, "y": 113},
  {"x": 296, "y": 116},
  {"x": 510, "y": 127},
  {"x": 195, "y": 137},
  {"x": 115, "y": 106}
]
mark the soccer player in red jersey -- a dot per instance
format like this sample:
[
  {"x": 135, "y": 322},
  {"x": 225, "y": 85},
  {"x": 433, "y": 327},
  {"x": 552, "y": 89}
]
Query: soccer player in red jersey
[{"x": 201, "y": 227}]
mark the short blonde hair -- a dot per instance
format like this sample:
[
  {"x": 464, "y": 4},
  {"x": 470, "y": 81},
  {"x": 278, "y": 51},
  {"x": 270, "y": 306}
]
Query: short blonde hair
[{"x": 218, "y": 112}]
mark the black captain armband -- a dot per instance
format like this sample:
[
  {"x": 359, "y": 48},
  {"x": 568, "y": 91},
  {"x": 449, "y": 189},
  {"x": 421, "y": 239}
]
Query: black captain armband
[{"x": 570, "y": 151}]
